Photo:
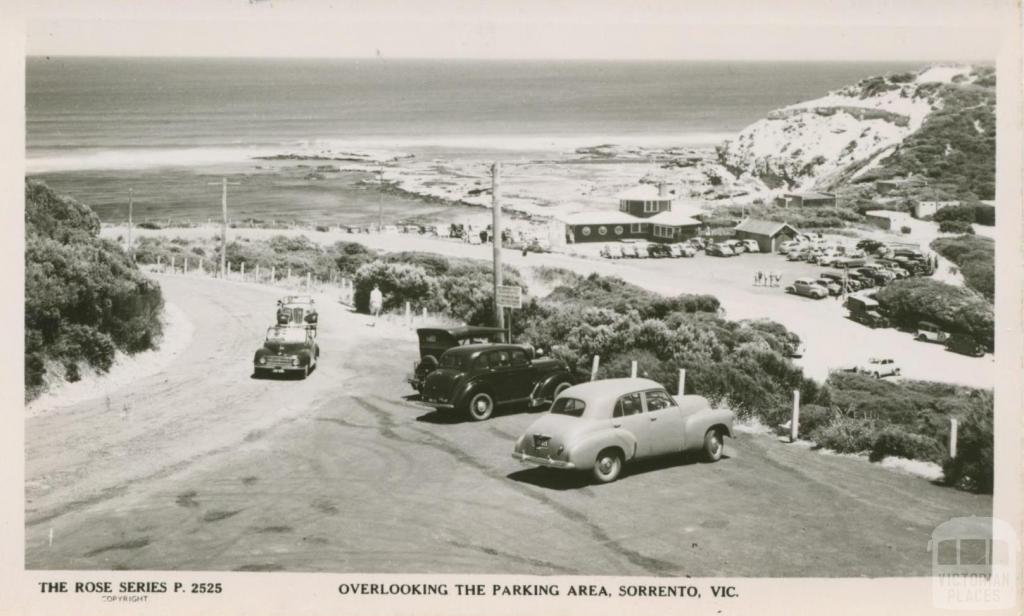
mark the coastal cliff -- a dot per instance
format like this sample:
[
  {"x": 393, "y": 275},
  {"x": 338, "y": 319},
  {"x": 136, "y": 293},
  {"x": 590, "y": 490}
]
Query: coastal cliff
[{"x": 931, "y": 123}]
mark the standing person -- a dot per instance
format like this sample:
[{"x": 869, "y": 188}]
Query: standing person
[
  {"x": 524, "y": 249},
  {"x": 376, "y": 303}
]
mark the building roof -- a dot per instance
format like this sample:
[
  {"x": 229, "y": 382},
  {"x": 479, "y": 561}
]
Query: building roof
[
  {"x": 644, "y": 192},
  {"x": 764, "y": 227},
  {"x": 609, "y": 217}
]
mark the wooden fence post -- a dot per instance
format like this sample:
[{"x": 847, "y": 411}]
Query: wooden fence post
[
  {"x": 424, "y": 313},
  {"x": 632, "y": 369},
  {"x": 408, "y": 314},
  {"x": 289, "y": 274},
  {"x": 308, "y": 279},
  {"x": 794, "y": 424},
  {"x": 594, "y": 366},
  {"x": 172, "y": 264},
  {"x": 257, "y": 272},
  {"x": 682, "y": 381},
  {"x": 273, "y": 273},
  {"x": 953, "y": 427},
  {"x": 186, "y": 266},
  {"x": 243, "y": 270}
]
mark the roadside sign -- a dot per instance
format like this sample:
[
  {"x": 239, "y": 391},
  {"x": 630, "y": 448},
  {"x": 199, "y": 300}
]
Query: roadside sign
[{"x": 509, "y": 296}]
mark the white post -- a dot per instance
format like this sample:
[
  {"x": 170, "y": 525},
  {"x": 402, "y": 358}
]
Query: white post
[
  {"x": 243, "y": 270},
  {"x": 186, "y": 265},
  {"x": 308, "y": 281},
  {"x": 289, "y": 274},
  {"x": 682, "y": 381},
  {"x": 257, "y": 272},
  {"x": 172, "y": 264},
  {"x": 953, "y": 426},
  {"x": 228, "y": 276},
  {"x": 273, "y": 273},
  {"x": 424, "y": 313},
  {"x": 794, "y": 424},
  {"x": 594, "y": 366},
  {"x": 408, "y": 314},
  {"x": 632, "y": 369},
  {"x": 202, "y": 265}
]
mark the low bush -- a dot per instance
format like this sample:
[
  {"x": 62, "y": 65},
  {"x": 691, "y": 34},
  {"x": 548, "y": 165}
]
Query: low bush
[
  {"x": 814, "y": 417},
  {"x": 956, "y": 226},
  {"x": 956, "y": 309},
  {"x": 846, "y": 435},
  {"x": 973, "y": 468},
  {"x": 975, "y": 256},
  {"x": 896, "y": 441}
]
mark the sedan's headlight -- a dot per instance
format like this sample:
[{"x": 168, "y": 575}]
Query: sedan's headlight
[
  {"x": 295, "y": 361},
  {"x": 263, "y": 360}
]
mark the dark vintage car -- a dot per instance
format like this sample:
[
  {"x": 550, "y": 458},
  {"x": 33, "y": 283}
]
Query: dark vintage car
[
  {"x": 477, "y": 379},
  {"x": 965, "y": 344},
  {"x": 297, "y": 310},
  {"x": 288, "y": 349},
  {"x": 434, "y": 341}
]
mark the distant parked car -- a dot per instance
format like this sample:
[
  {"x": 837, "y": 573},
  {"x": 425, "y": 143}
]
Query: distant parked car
[
  {"x": 738, "y": 247},
  {"x": 683, "y": 250},
  {"x": 865, "y": 311},
  {"x": 658, "y": 250},
  {"x": 870, "y": 245},
  {"x": 808, "y": 288},
  {"x": 720, "y": 250},
  {"x": 833, "y": 288},
  {"x": 751, "y": 245},
  {"x": 601, "y": 425},
  {"x": 434, "y": 341},
  {"x": 965, "y": 344},
  {"x": 879, "y": 367},
  {"x": 697, "y": 243},
  {"x": 477, "y": 379},
  {"x": 848, "y": 262},
  {"x": 930, "y": 332},
  {"x": 610, "y": 252},
  {"x": 287, "y": 349},
  {"x": 630, "y": 250}
]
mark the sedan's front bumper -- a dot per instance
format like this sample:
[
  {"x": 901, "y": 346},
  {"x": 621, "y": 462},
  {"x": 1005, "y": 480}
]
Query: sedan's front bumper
[
  {"x": 549, "y": 462},
  {"x": 437, "y": 404}
]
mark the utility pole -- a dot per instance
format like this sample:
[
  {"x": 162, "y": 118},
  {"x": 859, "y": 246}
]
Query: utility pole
[
  {"x": 131, "y": 254},
  {"x": 499, "y": 316},
  {"x": 224, "y": 224}
]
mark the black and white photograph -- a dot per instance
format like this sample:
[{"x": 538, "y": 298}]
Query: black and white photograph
[{"x": 515, "y": 302}]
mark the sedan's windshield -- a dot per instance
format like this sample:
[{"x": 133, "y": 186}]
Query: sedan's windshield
[
  {"x": 568, "y": 406},
  {"x": 452, "y": 360}
]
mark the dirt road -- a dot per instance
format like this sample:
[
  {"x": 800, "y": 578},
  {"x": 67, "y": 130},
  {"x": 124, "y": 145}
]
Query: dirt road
[{"x": 201, "y": 467}]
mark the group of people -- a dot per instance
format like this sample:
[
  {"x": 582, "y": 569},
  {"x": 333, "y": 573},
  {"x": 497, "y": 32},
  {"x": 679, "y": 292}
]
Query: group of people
[{"x": 767, "y": 279}]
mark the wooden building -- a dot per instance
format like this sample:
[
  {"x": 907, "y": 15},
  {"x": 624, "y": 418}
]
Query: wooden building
[
  {"x": 645, "y": 213},
  {"x": 767, "y": 233}
]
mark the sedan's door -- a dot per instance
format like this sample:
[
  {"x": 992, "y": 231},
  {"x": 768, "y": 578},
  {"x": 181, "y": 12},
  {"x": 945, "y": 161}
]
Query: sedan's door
[
  {"x": 628, "y": 416},
  {"x": 666, "y": 422}
]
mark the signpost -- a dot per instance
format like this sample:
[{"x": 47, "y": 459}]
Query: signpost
[{"x": 511, "y": 297}]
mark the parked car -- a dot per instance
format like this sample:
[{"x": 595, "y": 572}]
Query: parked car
[
  {"x": 477, "y": 379},
  {"x": 720, "y": 250},
  {"x": 287, "y": 349},
  {"x": 297, "y": 310},
  {"x": 609, "y": 251},
  {"x": 630, "y": 250},
  {"x": 434, "y": 341},
  {"x": 796, "y": 254},
  {"x": 737, "y": 246},
  {"x": 930, "y": 332},
  {"x": 870, "y": 245},
  {"x": 658, "y": 250},
  {"x": 683, "y": 250},
  {"x": 833, "y": 288},
  {"x": 697, "y": 243},
  {"x": 879, "y": 367},
  {"x": 751, "y": 245},
  {"x": 601, "y": 425},
  {"x": 965, "y": 344},
  {"x": 808, "y": 288},
  {"x": 865, "y": 310},
  {"x": 877, "y": 275},
  {"x": 848, "y": 262}
]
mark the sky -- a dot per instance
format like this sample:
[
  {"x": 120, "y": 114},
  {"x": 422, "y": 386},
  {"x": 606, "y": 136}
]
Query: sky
[{"x": 863, "y": 30}]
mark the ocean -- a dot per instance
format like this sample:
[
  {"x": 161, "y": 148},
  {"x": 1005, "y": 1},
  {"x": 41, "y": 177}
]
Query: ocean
[{"x": 95, "y": 125}]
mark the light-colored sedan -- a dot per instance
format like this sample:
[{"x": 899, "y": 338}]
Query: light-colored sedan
[{"x": 601, "y": 425}]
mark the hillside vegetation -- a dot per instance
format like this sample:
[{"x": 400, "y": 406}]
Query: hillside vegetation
[
  {"x": 975, "y": 256},
  {"x": 84, "y": 299}
]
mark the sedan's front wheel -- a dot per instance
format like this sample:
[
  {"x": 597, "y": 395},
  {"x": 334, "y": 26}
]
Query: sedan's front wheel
[
  {"x": 713, "y": 445},
  {"x": 608, "y": 465},
  {"x": 481, "y": 407}
]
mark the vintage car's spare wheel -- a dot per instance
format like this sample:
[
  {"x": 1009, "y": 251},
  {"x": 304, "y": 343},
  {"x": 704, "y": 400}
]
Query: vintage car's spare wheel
[
  {"x": 713, "y": 445},
  {"x": 608, "y": 465},
  {"x": 481, "y": 406}
]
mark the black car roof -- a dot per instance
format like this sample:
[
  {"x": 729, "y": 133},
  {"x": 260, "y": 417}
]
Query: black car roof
[
  {"x": 464, "y": 331},
  {"x": 474, "y": 349}
]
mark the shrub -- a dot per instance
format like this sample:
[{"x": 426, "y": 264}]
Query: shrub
[
  {"x": 350, "y": 256},
  {"x": 956, "y": 309},
  {"x": 905, "y": 230},
  {"x": 814, "y": 417},
  {"x": 896, "y": 441},
  {"x": 973, "y": 468},
  {"x": 84, "y": 299},
  {"x": 399, "y": 283},
  {"x": 845, "y": 435},
  {"x": 956, "y": 226},
  {"x": 975, "y": 256},
  {"x": 964, "y": 213}
]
